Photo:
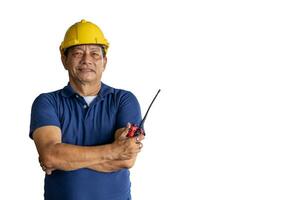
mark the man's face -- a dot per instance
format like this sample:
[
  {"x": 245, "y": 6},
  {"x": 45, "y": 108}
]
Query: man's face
[{"x": 85, "y": 63}]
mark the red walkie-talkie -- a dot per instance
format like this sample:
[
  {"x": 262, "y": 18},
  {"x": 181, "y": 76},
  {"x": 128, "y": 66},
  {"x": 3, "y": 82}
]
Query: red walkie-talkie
[{"x": 134, "y": 129}]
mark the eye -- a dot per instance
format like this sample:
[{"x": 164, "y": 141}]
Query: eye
[
  {"x": 95, "y": 54},
  {"x": 77, "y": 54}
]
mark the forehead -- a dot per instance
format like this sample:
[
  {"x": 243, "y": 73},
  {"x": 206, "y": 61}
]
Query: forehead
[{"x": 86, "y": 47}]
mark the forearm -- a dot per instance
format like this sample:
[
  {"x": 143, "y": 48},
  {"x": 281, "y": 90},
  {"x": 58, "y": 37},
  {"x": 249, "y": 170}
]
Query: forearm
[
  {"x": 104, "y": 158},
  {"x": 71, "y": 157},
  {"x": 112, "y": 166}
]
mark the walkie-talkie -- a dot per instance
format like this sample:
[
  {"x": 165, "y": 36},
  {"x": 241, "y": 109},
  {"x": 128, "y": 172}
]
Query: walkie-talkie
[{"x": 134, "y": 129}]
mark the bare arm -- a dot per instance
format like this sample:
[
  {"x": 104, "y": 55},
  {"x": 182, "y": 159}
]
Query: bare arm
[
  {"x": 56, "y": 155},
  {"x": 112, "y": 166},
  {"x": 115, "y": 165}
]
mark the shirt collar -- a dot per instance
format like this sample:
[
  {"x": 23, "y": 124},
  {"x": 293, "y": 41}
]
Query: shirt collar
[{"x": 68, "y": 91}]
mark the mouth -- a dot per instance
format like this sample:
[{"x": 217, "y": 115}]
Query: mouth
[{"x": 85, "y": 70}]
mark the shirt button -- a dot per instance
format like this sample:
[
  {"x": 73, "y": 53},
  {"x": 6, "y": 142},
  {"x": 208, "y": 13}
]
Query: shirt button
[
  {"x": 77, "y": 96},
  {"x": 84, "y": 106}
]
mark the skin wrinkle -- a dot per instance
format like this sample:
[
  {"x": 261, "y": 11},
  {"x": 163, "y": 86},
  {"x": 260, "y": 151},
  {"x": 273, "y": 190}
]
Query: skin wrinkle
[{"x": 85, "y": 64}]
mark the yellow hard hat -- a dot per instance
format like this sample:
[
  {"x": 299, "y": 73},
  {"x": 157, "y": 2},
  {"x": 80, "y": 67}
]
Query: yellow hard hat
[{"x": 84, "y": 32}]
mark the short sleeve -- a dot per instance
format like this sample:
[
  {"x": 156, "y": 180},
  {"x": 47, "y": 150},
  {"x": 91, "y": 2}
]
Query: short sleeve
[
  {"x": 129, "y": 110},
  {"x": 43, "y": 113}
]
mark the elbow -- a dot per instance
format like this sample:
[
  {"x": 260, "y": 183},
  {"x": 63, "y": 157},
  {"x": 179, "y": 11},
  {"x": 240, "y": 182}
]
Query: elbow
[
  {"x": 51, "y": 159},
  {"x": 47, "y": 161},
  {"x": 47, "y": 158}
]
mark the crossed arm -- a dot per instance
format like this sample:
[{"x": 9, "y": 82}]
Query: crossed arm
[{"x": 53, "y": 154}]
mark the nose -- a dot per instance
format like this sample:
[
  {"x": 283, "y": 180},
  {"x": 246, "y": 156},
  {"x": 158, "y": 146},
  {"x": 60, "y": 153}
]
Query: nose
[{"x": 86, "y": 59}]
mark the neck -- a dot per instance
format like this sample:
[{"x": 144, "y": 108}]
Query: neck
[{"x": 86, "y": 89}]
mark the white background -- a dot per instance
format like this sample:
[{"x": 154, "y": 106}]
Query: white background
[{"x": 226, "y": 124}]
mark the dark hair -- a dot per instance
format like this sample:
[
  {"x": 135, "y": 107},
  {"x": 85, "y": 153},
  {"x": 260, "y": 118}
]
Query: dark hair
[{"x": 66, "y": 51}]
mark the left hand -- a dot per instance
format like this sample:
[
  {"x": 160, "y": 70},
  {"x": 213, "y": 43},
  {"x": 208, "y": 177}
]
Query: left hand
[{"x": 45, "y": 169}]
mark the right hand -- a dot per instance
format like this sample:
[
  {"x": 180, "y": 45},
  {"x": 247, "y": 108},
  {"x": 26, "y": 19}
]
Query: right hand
[
  {"x": 45, "y": 169},
  {"x": 125, "y": 148}
]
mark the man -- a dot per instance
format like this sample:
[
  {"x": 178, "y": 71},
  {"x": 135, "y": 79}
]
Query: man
[{"x": 80, "y": 130}]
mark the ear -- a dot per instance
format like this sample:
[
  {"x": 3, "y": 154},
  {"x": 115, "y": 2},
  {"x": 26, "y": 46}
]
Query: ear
[
  {"x": 104, "y": 63},
  {"x": 64, "y": 60}
]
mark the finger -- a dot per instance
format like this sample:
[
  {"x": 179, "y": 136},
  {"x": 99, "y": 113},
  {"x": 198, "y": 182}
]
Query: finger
[
  {"x": 48, "y": 171},
  {"x": 141, "y": 137},
  {"x": 137, "y": 139},
  {"x": 125, "y": 132},
  {"x": 140, "y": 145},
  {"x": 43, "y": 167}
]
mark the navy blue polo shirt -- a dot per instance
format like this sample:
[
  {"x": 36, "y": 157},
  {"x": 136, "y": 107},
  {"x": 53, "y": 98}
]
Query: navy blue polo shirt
[{"x": 85, "y": 125}]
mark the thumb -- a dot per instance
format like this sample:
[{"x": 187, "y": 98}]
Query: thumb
[{"x": 125, "y": 132}]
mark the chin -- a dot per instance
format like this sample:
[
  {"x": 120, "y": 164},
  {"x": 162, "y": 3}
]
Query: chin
[
  {"x": 85, "y": 79},
  {"x": 87, "y": 76},
  {"x": 89, "y": 79}
]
